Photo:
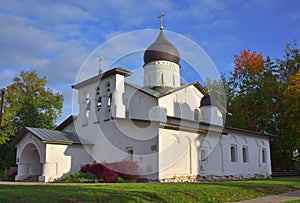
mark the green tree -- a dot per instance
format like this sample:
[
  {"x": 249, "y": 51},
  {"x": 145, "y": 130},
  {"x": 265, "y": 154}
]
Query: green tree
[
  {"x": 264, "y": 96},
  {"x": 27, "y": 102},
  {"x": 287, "y": 116},
  {"x": 250, "y": 92}
]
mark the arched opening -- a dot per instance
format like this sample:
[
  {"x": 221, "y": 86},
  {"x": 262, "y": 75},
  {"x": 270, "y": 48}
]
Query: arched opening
[{"x": 30, "y": 167}]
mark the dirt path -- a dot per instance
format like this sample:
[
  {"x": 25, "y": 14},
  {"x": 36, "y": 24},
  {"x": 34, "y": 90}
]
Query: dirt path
[{"x": 284, "y": 197}]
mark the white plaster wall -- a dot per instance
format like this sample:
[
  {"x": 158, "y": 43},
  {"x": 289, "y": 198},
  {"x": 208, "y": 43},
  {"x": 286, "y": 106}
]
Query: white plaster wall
[
  {"x": 57, "y": 163},
  {"x": 110, "y": 139},
  {"x": 177, "y": 153},
  {"x": 182, "y": 103},
  {"x": 154, "y": 70},
  {"x": 138, "y": 104},
  {"x": 79, "y": 157},
  {"x": 222, "y": 154}
]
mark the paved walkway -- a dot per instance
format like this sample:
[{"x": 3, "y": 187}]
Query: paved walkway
[{"x": 285, "y": 197}]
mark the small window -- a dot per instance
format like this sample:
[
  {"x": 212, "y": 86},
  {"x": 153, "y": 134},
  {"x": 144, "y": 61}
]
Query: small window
[
  {"x": 196, "y": 114},
  {"x": 129, "y": 153},
  {"x": 245, "y": 154},
  {"x": 99, "y": 103},
  {"x": 88, "y": 105},
  {"x": 264, "y": 155},
  {"x": 173, "y": 80},
  {"x": 203, "y": 155},
  {"x": 233, "y": 152},
  {"x": 162, "y": 78},
  {"x": 109, "y": 100},
  {"x": 154, "y": 148}
]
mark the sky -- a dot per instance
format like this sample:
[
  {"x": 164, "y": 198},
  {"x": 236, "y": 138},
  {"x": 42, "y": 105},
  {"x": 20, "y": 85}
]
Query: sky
[{"x": 56, "y": 38}]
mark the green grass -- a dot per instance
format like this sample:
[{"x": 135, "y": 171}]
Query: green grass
[{"x": 222, "y": 191}]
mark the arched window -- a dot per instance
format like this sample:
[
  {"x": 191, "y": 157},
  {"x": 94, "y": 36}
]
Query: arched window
[
  {"x": 233, "y": 152},
  {"x": 107, "y": 87},
  {"x": 99, "y": 100},
  {"x": 196, "y": 114},
  {"x": 109, "y": 100},
  {"x": 203, "y": 155},
  {"x": 173, "y": 80},
  {"x": 245, "y": 154},
  {"x": 88, "y": 106},
  {"x": 264, "y": 155},
  {"x": 129, "y": 153},
  {"x": 99, "y": 103}
]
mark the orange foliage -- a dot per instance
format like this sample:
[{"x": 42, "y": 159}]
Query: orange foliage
[{"x": 248, "y": 62}]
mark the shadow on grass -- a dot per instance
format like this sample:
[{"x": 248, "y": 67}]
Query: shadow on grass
[{"x": 73, "y": 193}]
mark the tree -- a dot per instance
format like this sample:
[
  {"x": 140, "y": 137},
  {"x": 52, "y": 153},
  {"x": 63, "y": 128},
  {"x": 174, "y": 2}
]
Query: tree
[
  {"x": 28, "y": 102},
  {"x": 250, "y": 88},
  {"x": 287, "y": 116},
  {"x": 264, "y": 97}
]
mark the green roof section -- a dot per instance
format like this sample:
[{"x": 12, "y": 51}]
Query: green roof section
[
  {"x": 157, "y": 91},
  {"x": 55, "y": 136}
]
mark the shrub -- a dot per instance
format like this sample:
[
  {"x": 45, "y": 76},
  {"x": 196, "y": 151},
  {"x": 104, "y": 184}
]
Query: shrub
[
  {"x": 80, "y": 178},
  {"x": 112, "y": 172}
]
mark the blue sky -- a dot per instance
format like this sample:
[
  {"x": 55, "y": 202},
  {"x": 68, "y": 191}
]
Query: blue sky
[{"x": 55, "y": 37}]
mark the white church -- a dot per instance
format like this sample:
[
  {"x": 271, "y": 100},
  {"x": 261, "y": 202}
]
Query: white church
[{"x": 174, "y": 132}]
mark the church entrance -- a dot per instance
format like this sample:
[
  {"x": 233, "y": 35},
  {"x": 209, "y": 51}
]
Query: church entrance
[{"x": 30, "y": 167}]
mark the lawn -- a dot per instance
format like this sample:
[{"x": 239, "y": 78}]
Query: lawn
[{"x": 221, "y": 191}]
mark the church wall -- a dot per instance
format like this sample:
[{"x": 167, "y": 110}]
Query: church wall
[
  {"x": 63, "y": 159},
  {"x": 182, "y": 103},
  {"x": 113, "y": 138},
  {"x": 57, "y": 163},
  {"x": 245, "y": 162},
  {"x": 161, "y": 73},
  {"x": 138, "y": 104},
  {"x": 186, "y": 156},
  {"x": 178, "y": 154}
]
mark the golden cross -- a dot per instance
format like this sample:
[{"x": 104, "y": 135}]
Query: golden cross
[
  {"x": 100, "y": 66},
  {"x": 160, "y": 19}
]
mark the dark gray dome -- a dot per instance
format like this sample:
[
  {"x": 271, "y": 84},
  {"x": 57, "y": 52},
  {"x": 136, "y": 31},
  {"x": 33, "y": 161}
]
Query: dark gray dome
[
  {"x": 161, "y": 49},
  {"x": 208, "y": 100}
]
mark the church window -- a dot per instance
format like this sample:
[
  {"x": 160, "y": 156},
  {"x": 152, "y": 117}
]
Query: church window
[
  {"x": 88, "y": 106},
  {"x": 109, "y": 100},
  {"x": 173, "y": 80},
  {"x": 107, "y": 85},
  {"x": 233, "y": 152},
  {"x": 264, "y": 155},
  {"x": 196, "y": 114},
  {"x": 203, "y": 155},
  {"x": 129, "y": 153},
  {"x": 99, "y": 103},
  {"x": 154, "y": 148},
  {"x": 98, "y": 91},
  {"x": 245, "y": 154}
]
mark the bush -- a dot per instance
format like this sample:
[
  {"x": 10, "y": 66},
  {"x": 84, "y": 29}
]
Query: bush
[
  {"x": 120, "y": 171},
  {"x": 80, "y": 178}
]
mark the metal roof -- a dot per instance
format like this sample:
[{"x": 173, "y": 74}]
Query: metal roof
[
  {"x": 157, "y": 91},
  {"x": 55, "y": 136}
]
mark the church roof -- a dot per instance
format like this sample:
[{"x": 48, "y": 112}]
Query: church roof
[
  {"x": 106, "y": 74},
  {"x": 161, "y": 49},
  {"x": 51, "y": 136},
  {"x": 160, "y": 91}
]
